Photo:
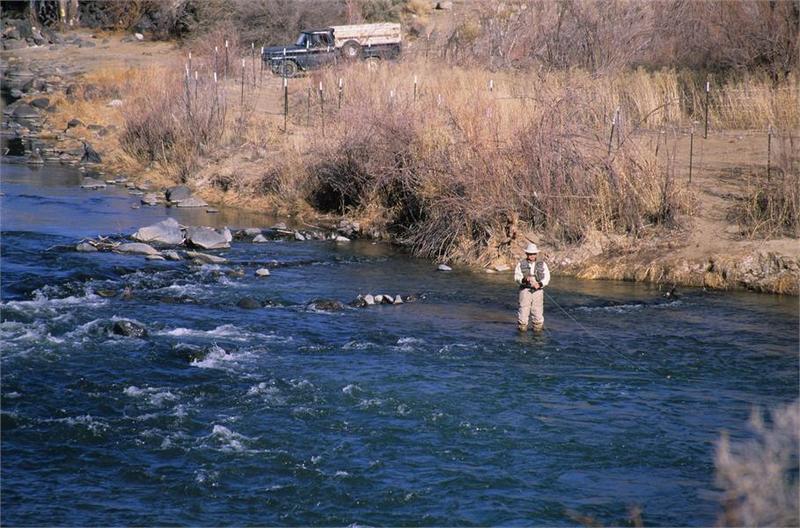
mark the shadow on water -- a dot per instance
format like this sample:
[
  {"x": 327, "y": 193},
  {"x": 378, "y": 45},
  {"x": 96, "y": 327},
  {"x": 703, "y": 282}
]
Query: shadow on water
[{"x": 429, "y": 412}]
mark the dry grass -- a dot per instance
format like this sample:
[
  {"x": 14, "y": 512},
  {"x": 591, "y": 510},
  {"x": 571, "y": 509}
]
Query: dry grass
[{"x": 455, "y": 170}]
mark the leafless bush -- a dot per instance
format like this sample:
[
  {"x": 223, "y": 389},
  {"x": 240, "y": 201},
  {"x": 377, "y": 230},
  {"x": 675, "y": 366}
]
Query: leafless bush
[
  {"x": 770, "y": 206},
  {"x": 760, "y": 476},
  {"x": 174, "y": 121}
]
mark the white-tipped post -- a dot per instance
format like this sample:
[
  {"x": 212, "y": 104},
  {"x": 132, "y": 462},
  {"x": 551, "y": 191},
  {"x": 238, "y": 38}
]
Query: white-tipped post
[{"x": 491, "y": 85}]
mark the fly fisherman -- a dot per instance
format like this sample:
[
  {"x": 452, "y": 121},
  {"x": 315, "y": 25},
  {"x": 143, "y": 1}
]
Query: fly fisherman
[{"x": 531, "y": 276}]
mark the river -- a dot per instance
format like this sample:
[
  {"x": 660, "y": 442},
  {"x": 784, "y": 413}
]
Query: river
[{"x": 434, "y": 412}]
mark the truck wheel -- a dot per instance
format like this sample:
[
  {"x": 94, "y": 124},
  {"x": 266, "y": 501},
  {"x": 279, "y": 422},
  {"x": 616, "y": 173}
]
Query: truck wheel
[
  {"x": 351, "y": 50},
  {"x": 288, "y": 69}
]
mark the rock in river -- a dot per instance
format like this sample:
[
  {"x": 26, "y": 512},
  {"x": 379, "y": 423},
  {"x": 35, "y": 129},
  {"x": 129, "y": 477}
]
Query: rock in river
[
  {"x": 192, "y": 201},
  {"x": 248, "y": 303},
  {"x": 206, "y": 238},
  {"x": 178, "y": 193},
  {"x": 165, "y": 232},
  {"x": 325, "y": 305},
  {"x": 85, "y": 247},
  {"x": 262, "y": 272},
  {"x": 136, "y": 248},
  {"x": 91, "y": 183},
  {"x": 128, "y": 328},
  {"x": 206, "y": 258}
]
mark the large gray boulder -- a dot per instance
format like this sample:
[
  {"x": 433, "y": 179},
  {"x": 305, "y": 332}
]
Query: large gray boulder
[
  {"x": 192, "y": 201},
  {"x": 92, "y": 183},
  {"x": 136, "y": 248},
  {"x": 207, "y": 238},
  {"x": 205, "y": 258},
  {"x": 178, "y": 193},
  {"x": 165, "y": 232}
]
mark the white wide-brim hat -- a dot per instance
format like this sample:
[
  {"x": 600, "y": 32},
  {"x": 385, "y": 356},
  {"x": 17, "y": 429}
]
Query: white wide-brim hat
[{"x": 531, "y": 248}]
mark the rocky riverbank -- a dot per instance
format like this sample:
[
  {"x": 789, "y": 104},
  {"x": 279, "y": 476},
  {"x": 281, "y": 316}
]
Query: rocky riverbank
[{"x": 57, "y": 114}]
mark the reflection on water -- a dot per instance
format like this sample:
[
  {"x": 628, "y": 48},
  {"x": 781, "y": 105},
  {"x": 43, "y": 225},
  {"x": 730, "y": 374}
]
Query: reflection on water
[{"x": 431, "y": 412}]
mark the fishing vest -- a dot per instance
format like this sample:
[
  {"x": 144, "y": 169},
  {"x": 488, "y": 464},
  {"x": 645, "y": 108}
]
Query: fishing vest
[{"x": 538, "y": 269}]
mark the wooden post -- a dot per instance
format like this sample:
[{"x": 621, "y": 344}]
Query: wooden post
[
  {"x": 769, "y": 153},
  {"x": 196, "y": 82},
  {"x": 261, "y": 70},
  {"x": 708, "y": 90},
  {"x": 308, "y": 108},
  {"x": 285, "y": 105},
  {"x": 322, "y": 108},
  {"x": 216, "y": 66},
  {"x": 491, "y": 85},
  {"x": 611, "y": 137},
  {"x": 242, "y": 102},
  {"x": 253, "y": 56},
  {"x": 691, "y": 153},
  {"x": 415, "y": 88},
  {"x": 190, "y": 61},
  {"x": 341, "y": 93},
  {"x": 225, "y": 76}
]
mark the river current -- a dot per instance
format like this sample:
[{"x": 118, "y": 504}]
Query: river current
[{"x": 434, "y": 412}]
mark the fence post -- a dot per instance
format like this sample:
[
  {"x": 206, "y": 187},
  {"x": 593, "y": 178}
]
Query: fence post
[
  {"x": 216, "y": 67},
  {"x": 341, "y": 93},
  {"x": 308, "y": 108},
  {"x": 261, "y": 70},
  {"x": 611, "y": 137},
  {"x": 242, "y": 101},
  {"x": 708, "y": 90},
  {"x": 619, "y": 126},
  {"x": 196, "y": 82},
  {"x": 769, "y": 153},
  {"x": 322, "y": 108},
  {"x": 190, "y": 61},
  {"x": 491, "y": 85},
  {"x": 225, "y": 76},
  {"x": 691, "y": 153},
  {"x": 285, "y": 105},
  {"x": 415, "y": 88}
]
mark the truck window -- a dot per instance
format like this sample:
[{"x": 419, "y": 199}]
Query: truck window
[{"x": 301, "y": 40}]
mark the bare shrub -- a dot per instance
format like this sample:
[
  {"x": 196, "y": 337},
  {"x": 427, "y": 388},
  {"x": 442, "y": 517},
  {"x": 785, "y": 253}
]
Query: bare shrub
[
  {"x": 174, "y": 121},
  {"x": 760, "y": 476},
  {"x": 770, "y": 206}
]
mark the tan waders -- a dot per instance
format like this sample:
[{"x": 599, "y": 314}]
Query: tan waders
[{"x": 531, "y": 306}]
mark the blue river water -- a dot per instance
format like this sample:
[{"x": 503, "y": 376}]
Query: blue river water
[{"x": 434, "y": 412}]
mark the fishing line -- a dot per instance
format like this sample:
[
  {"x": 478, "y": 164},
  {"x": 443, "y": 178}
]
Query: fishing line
[{"x": 609, "y": 347}]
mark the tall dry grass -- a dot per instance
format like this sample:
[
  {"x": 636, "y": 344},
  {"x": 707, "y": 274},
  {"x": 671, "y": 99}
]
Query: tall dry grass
[{"x": 454, "y": 170}]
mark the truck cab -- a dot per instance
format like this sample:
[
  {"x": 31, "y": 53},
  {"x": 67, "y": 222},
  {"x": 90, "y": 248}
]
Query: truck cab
[{"x": 316, "y": 47}]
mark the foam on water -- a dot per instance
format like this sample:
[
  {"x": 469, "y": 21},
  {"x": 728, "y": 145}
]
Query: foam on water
[
  {"x": 630, "y": 307},
  {"x": 227, "y": 439},
  {"x": 154, "y": 396}
]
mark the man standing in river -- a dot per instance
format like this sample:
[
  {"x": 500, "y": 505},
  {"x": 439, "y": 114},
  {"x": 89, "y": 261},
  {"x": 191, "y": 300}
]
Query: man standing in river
[{"x": 532, "y": 276}]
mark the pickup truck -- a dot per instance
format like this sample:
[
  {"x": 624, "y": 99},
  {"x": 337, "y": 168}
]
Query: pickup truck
[{"x": 316, "y": 47}]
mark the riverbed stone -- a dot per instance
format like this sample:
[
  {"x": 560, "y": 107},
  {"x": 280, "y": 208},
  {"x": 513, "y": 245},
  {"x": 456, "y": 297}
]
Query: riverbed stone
[
  {"x": 398, "y": 299},
  {"x": 192, "y": 201},
  {"x": 260, "y": 239},
  {"x": 154, "y": 257},
  {"x": 92, "y": 183},
  {"x": 443, "y": 267},
  {"x": 40, "y": 102},
  {"x": 252, "y": 231},
  {"x": 299, "y": 236},
  {"x": 171, "y": 254},
  {"x": 128, "y": 328},
  {"x": 136, "y": 248},
  {"x": 178, "y": 193},
  {"x": 85, "y": 247},
  {"x": 262, "y": 272},
  {"x": 150, "y": 199},
  {"x": 248, "y": 303},
  {"x": 165, "y": 232},
  {"x": 325, "y": 305},
  {"x": 206, "y": 258},
  {"x": 206, "y": 238}
]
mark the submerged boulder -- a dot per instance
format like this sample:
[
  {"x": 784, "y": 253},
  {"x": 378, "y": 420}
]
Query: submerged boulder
[
  {"x": 127, "y": 328},
  {"x": 165, "y": 232},
  {"x": 325, "y": 305},
  {"x": 248, "y": 303},
  {"x": 207, "y": 238}
]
